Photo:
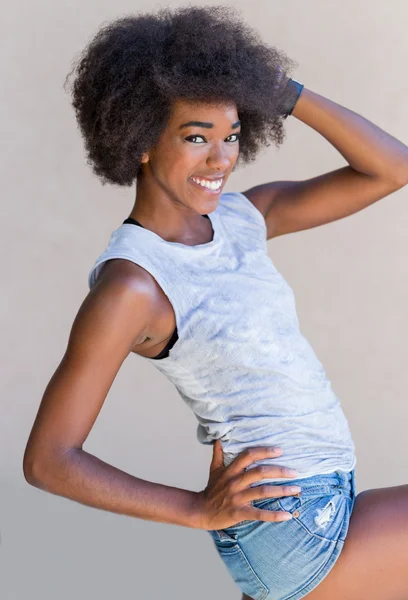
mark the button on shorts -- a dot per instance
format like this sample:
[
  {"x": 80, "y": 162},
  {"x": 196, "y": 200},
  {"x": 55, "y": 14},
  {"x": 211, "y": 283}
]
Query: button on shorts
[{"x": 287, "y": 560}]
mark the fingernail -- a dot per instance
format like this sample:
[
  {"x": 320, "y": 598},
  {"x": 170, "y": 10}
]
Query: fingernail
[
  {"x": 286, "y": 517},
  {"x": 291, "y": 472},
  {"x": 274, "y": 450}
]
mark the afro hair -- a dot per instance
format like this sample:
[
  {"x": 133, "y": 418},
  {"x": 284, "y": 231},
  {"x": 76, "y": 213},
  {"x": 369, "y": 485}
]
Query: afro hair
[{"x": 131, "y": 72}]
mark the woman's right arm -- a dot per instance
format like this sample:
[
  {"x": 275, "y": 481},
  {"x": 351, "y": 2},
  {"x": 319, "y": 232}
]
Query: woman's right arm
[{"x": 113, "y": 318}]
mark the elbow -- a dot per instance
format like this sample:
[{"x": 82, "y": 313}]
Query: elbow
[
  {"x": 401, "y": 181},
  {"x": 396, "y": 181},
  {"x": 32, "y": 471},
  {"x": 38, "y": 471},
  {"x": 44, "y": 470},
  {"x": 401, "y": 177}
]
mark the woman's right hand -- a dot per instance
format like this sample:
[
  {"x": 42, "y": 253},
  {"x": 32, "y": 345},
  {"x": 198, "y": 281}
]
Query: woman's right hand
[{"x": 227, "y": 496}]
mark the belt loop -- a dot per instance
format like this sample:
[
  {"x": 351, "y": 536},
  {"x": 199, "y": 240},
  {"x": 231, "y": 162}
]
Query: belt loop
[
  {"x": 343, "y": 479},
  {"x": 223, "y": 535},
  {"x": 348, "y": 481}
]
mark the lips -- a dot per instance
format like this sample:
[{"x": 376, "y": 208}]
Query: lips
[
  {"x": 211, "y": 177},
  {"x": 206, "y": 189}
]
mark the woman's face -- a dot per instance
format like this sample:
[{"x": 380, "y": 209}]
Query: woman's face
[{"x": 200, "y": 141}]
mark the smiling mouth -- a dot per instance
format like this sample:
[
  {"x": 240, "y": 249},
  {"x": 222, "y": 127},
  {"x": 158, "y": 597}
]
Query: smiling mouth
[{"x": 212, "y": 187}]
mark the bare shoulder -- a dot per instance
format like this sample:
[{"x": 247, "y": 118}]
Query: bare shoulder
[
  {"x": 262, "y": 196},
  {"x": 125, "y": 282},
  {"x": 126, "y": 271},
  {"x": 151, "y": 315}
]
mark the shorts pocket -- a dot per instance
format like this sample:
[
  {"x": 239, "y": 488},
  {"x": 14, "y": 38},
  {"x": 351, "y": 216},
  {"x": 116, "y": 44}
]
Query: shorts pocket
[
  {"x": 325, "y": 517},
  {"x": 238, "y": 565},
  {"x": 270, "y": 504}
]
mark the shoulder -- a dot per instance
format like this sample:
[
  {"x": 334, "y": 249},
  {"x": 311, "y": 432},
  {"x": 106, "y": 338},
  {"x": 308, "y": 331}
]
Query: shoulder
[
  {"x": 262, "y": 196},
  {"x": 127, "y": 277},
  {"x": 127, "y": 297}
]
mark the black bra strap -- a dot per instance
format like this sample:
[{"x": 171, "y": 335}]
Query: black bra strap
[{"x": 134, "y": 222}]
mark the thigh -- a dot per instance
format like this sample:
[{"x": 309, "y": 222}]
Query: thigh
[{"x": 374, "y": 560}]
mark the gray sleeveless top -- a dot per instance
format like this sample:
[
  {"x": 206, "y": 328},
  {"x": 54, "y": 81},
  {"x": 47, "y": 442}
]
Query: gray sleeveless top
[{"x": 240, "y": 361}]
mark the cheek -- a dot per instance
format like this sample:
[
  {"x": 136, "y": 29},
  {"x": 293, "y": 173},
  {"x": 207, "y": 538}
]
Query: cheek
[
  {"x": 176, "y": 156},
  {"x": 183, "y": 165}
]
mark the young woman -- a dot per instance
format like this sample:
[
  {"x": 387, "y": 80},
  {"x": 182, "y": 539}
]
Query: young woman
[{"x": 173, "y": 101}]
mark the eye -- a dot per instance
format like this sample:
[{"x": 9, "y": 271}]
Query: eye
[{"x": 237, "y": 136}]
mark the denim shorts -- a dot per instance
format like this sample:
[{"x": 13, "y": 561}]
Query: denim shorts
[{"x": 286, "y": 560}]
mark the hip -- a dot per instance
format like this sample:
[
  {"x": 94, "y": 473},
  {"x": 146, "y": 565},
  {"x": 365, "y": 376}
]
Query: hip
[{"x": 286, "y": 560}]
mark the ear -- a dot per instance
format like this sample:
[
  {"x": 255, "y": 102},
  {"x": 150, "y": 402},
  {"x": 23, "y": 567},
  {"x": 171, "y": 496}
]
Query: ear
[{"x": 145, "y": 157}]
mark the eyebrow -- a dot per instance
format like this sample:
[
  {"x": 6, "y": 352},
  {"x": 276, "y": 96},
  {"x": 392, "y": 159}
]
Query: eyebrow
[{"x": 207, "y": 125}]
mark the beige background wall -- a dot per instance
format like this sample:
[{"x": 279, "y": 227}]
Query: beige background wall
[{"x": 349, "y": 277}]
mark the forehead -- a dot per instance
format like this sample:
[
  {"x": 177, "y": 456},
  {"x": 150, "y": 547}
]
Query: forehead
[{"x": 219, "y": 113}]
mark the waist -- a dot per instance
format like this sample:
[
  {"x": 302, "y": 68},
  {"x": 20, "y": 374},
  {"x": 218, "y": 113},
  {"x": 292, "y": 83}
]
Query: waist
[{"x": 321, "y": 484}]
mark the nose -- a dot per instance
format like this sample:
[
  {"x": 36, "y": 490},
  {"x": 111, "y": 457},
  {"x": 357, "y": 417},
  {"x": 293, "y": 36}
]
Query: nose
[{"x": 218, "y": 158}]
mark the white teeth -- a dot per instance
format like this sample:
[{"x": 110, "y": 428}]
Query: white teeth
[{"x": 212, "y": 185}]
